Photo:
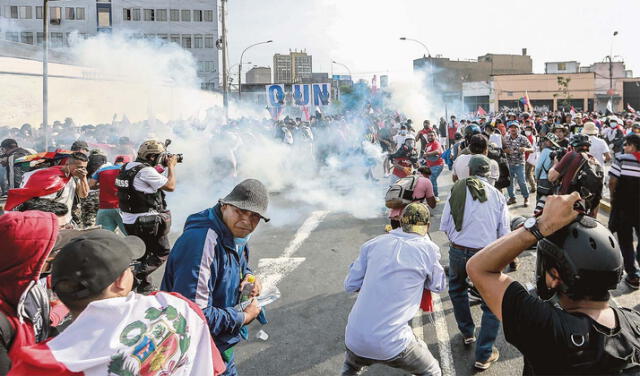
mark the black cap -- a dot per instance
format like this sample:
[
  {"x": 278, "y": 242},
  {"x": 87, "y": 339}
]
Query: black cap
[
  {"x": 94, "y": 261},
  {"x": 79, "y": 145}
]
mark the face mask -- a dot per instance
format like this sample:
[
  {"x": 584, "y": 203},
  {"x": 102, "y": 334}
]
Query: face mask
[
  {"x": 403, "y": 133},
  {"x": 527, "y": 133},
  {"x": 241, "y": 242},
  {"x": 613, "y": 125}
]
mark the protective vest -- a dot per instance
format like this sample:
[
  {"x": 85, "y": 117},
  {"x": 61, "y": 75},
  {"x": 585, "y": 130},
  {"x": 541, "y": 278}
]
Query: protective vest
[{"x": 132, "y": 200}]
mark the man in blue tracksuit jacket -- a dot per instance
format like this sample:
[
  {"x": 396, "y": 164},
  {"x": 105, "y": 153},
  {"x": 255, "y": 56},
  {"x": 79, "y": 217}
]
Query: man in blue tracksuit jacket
[{"x": 209, "y": 263}]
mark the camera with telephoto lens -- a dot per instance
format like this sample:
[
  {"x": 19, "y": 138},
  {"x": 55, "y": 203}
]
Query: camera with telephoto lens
[
  {"x": 164, "y": 157},
  {"x": 558, "y": 153}
]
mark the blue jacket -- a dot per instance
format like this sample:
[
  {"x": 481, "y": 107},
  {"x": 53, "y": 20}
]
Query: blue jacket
[{"x": 205, "y": 267}]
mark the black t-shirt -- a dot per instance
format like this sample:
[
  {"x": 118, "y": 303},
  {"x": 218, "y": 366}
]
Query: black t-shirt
[{"x": 542, "y": 332}]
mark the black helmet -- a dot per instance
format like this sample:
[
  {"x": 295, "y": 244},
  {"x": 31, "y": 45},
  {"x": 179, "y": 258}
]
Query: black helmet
[
  {"x": 579, "y": 140},
  {"x": 471, "y": 130},
  {"x": 587, "y": 257},
  {"x": 458, "y": 136}
]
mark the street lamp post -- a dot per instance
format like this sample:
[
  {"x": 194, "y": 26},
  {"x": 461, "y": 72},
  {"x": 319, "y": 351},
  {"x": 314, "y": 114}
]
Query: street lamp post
[
  {"x": 433, "y": 79},
  {"x": 240, "y": 66},
  {"x": 610, "y": 57},
  {"x": 45, "y": 73},
  {"x": 346, "y": 67},
  {"x": 223, "y": 47}
]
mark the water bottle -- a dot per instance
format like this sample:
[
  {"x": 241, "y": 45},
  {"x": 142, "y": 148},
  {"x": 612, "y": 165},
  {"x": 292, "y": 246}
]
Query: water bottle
[{"x": 245, "y": 294}]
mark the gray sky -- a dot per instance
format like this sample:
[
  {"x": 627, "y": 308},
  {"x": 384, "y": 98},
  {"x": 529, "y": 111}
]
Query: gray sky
[{"x": 364, "y": 34}]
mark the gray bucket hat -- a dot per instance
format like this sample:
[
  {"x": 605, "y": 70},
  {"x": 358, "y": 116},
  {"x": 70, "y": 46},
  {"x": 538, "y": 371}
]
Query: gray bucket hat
[{"x": 250, "y": 195}]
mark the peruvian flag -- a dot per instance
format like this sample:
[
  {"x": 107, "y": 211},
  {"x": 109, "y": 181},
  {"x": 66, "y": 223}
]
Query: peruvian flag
[
  {"x": 41, "y": 183},
  {"x": 276, "y": 111},
  {"x": 481, "y": 111},
  {"x": 630, "y": 109},
  {"x": 155, "y": 335},
  {"x": 306, "y": 112}
]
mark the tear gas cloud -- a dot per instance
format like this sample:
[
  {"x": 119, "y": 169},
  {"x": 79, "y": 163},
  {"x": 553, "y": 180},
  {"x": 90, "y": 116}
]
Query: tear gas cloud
[{"x": 153, "y": 88}]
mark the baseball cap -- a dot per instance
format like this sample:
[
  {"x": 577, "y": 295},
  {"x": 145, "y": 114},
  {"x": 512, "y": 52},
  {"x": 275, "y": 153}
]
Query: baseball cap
[
  {"x": 8, "y": 142},
  {"x": 415, "y": 218},
  {"x": 513, "y": 123},
  {"x": 250, "y": 195},
  {"x": 94, "y": 261}
]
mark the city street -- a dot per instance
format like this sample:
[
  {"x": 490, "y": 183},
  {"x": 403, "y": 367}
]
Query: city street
[{"x": 308, "y": 259}]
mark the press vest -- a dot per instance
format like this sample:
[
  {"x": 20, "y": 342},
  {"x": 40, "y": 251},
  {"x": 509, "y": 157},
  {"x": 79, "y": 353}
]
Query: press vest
[{"x": 133, "y": 201}]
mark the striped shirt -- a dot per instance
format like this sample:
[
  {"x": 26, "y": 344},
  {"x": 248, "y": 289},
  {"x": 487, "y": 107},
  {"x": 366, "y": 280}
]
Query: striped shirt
[{"x": 626, "y": 168}]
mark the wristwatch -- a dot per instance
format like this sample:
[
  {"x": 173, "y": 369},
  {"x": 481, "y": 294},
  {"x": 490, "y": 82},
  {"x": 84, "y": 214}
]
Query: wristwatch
[{"x": 531, "y": 225}]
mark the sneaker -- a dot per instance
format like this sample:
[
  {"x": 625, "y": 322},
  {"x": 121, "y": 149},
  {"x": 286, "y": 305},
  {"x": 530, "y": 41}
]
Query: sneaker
[
  {"x": 437, "y": 199},
  {"x": 474, "y": 296},
  {"x": 632, "y": 282},
  {"x": 533, "y": 190},
  {"x": 469, "y": 340},
  {"x": 495, "y": 354},
  {"x": 511, "y": 201},
  {"x": 513, "y": 265},
  {"x": 526, "y": 202}
]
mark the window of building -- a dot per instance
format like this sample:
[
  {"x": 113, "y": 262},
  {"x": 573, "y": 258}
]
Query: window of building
[
  {"x": 39, "y": 13},
  {"x": 79, "y": 13},
  {"x": 57, "y": 39},
  {"x": 149, "y": 15},
  {"x": 175, "y": 38},
  {"x": 174, "y": 14},
  {"x": 126, "y": 14},
  {"x": 12, "y": 36},
  {"x": 149, "y": 36},
  {"x": 186, "y": 41},
  {"x": 56, "y": 15},
  {"x": 164, "y": 37},
  {"x": 13, "y": 11},
  {"x": 197, "y": 16},
  {"x": 26, "y": 37},
  {"x": 197, "y": 41},
  {"x": 562, "y": 66},
  {"x": 39, "y": 38},
  {"x": 185, "y": 15},
  {"x": 161, "y": 14},
  {"x": 208, "y": 16},
  {"x": 135, "y": 14},
  {"x": 104, "y": 17},
  {"x": 25, "y": 13},
  {"x": 208, "y": 41},
  {"x": 70, "y": 13}
]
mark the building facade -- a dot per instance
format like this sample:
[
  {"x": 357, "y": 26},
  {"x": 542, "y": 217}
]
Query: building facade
[
  {"x": 561, "y": 67},
  {"x": 258, "y": 75},
  {"x": 192, "y": 24},
  {"x": 296, "y": 67}
]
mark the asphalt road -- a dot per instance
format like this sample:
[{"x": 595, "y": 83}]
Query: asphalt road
[{"x": 308, "y": 259}]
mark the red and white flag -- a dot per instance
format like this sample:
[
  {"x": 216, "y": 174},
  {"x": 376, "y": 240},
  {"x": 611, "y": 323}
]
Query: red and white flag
[
  {"x": 306, "y": 112},
  {"x": 630, "y": 109},
  {"x": 481, "y": 111},
  {"x": 155, "y": 335}
]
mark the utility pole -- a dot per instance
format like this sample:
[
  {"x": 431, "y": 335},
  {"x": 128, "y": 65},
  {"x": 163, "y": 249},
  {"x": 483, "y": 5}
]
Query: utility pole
[
  {"x": 45, "y": 73},
  {"x": 225, "y": 79}
]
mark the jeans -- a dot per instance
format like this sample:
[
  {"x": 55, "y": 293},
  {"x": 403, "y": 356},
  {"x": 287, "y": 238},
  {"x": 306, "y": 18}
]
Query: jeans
[
  {"x": 415, "y": 359},
  {"x": 517, "y": 172},
  {"x": 629, "y": 255},
  {"x": 231, "y": 370},
  {"x": 109, "y": 219},
  {"x": 458, "y": 291},
  {"x": 435, "y": 172}
]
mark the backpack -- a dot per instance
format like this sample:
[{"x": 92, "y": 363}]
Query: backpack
[
  {"x": 400, "y": 194},
  {"x": 588, "y": 181}
]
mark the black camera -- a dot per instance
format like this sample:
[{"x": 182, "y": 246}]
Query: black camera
[
  {"x": 558, "y": 153},
  {"x": 165, "y": 156}
]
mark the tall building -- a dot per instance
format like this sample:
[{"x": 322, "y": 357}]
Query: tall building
[
  {"x": 296, "y": 67},
  {"x": 258, "y": 75},
  {"x": 192, "y": 24}
]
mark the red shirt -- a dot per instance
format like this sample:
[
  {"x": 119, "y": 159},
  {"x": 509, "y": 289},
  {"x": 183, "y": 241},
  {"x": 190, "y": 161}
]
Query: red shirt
[
  {"x": 402, "y": 173},
  {"x": 106, "y": 177},
  {"x": 434, "y": 160}
]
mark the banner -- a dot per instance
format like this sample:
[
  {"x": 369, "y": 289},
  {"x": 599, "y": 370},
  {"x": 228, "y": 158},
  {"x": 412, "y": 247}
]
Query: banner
[
  {"x": 275, "y": 95},
  {"x": 321, "y": 94},
  {"x": 301, "y": 94}
]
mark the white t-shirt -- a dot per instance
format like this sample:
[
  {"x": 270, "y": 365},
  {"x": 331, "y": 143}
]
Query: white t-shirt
[
  {"x": 399, "y": 140},
  {"x": 496, "y": 138},
  {"x": 461, "y": 168},
  {"x": 598, "y": 148},
  {"x": 148, "y": 180}
]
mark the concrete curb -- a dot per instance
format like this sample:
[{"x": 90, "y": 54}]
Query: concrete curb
[{"x": 605, "y": 206}]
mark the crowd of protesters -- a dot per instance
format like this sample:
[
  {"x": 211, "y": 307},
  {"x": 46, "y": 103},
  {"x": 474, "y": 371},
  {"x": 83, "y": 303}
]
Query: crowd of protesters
[{"x": 89, "y": 232}]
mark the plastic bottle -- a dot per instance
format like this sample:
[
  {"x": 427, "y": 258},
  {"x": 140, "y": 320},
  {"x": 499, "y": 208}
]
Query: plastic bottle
[{"x": 245, "y": 294}]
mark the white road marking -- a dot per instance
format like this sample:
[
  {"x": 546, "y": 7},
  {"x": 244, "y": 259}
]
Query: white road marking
[
  {"x": 442, "y": 334},
  {"x": 272, "y": 270}
]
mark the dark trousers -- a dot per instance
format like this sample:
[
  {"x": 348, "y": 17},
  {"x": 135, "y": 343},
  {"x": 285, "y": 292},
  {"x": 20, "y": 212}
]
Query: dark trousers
[
  {"x": 630, "y": 255},
  {"x": 155, "y": 255}
]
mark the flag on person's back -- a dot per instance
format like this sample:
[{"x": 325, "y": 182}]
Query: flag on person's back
[
  {"x": 41, "y": 183},
  {"x": 159, "y": 334}
]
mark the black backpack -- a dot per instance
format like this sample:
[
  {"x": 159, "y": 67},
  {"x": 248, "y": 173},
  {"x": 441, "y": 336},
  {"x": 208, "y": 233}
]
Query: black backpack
[{"x": 588, "y": 181}]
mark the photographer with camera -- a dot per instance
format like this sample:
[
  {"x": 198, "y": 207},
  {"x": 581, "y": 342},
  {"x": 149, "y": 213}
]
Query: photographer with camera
[
  {"x": 580, "y": 261},
  {"x": 143, "y": 207}
]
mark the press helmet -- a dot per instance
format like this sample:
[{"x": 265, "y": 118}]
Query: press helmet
[
  {"x": 579, "y": 140},
  {"x": 149, "y": 148},
  {"x": 587, "y": 258},
  {"x": 471, "y": 130}
]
